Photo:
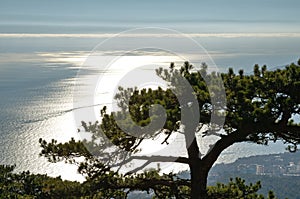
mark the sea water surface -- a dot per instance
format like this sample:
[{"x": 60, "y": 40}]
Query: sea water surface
[{"x": 37, "y": 78}]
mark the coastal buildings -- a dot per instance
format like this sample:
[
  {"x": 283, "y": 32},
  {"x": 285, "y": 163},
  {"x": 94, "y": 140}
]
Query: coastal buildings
[{"x": 290, "y": 169}]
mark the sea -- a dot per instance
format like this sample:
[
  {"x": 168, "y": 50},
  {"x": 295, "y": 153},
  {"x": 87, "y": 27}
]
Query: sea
[{"x": 39, "y": 74}]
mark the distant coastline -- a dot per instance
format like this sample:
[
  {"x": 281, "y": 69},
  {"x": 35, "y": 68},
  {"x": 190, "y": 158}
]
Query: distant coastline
[{"x": 278, "y": 172}]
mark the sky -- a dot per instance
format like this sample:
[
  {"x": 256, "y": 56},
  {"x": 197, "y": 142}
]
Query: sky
[{"x": 77, "y": 16}]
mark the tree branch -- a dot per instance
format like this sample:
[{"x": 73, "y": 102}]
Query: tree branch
[
  {"x": 155, "y": 158},
  {"x": 223, "y": 143}
]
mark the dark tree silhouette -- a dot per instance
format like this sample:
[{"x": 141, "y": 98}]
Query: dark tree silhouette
[{"x": 259, "y": 108}]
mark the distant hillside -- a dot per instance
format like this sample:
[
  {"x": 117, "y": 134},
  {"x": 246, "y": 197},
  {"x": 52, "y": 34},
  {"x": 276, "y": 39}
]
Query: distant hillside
[{"x": 277, "y": 172}]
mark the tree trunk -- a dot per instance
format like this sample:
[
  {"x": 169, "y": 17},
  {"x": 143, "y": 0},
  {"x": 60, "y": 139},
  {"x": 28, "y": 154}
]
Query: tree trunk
[
  {"x": 199, "y": 167},
  {"x": 198, "y": 180},
  {"x": 199, "y": 171}
]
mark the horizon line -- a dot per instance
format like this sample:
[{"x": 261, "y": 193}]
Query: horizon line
[{"x": 124, "y": 35}]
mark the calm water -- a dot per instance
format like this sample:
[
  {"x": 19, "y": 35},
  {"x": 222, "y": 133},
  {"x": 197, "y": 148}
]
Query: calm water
[{"x": 37, "y": 78}]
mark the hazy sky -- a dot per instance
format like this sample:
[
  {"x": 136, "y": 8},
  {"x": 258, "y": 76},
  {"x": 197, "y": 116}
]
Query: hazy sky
[{"x": 58, "y": 16}]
